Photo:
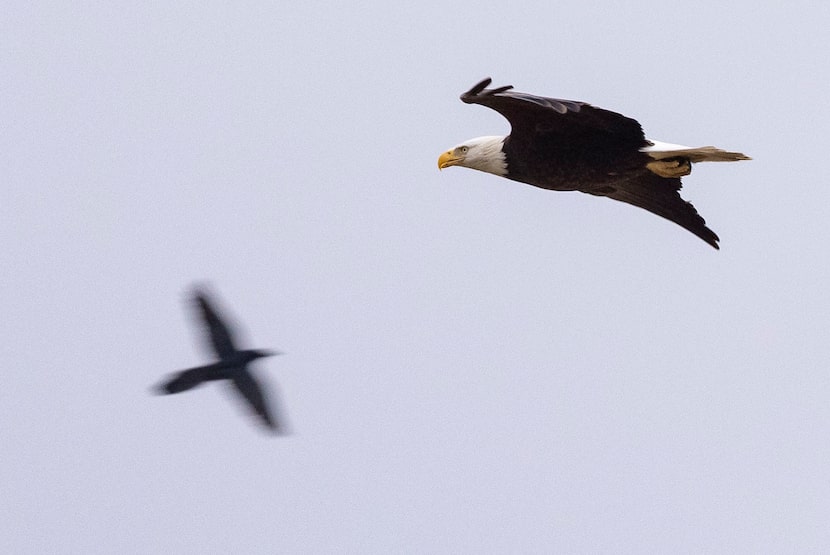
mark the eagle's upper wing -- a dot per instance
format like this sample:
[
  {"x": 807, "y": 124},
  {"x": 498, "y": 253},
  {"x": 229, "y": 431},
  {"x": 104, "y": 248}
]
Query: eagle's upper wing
[
  {"x": 661, "y": 196},
  {"x": 221, "y": 338},
  {"x": 578, "y": 121}
]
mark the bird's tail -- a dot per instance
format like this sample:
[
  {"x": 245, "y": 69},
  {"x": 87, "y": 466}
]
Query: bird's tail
[{"x": 662, "y": 151}]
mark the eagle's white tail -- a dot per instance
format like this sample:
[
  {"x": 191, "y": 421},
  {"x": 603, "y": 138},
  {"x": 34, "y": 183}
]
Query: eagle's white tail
[{"x": 661, "y": 151}]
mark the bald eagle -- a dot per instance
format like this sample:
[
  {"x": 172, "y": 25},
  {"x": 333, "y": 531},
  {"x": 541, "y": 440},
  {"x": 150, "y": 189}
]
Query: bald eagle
[{"x": 565, "y": 145}]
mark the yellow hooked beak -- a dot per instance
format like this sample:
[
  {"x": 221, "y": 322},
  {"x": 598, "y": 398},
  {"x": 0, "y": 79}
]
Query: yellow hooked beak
[{"x": 447, "y": 159}]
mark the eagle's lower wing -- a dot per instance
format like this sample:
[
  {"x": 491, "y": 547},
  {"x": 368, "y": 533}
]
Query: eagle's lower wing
[{"x": 661, "y": 196}]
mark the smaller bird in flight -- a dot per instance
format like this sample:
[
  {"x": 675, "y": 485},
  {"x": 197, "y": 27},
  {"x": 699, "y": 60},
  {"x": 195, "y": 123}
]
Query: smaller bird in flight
[{"x": 232, "y": 365}]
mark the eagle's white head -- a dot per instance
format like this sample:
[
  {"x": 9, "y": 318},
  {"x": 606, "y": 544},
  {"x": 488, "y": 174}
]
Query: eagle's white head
[{"x": 482, "y": 153}]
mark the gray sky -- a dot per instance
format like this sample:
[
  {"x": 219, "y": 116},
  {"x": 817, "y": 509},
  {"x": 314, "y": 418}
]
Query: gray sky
[{"x": 472, "y": 364}]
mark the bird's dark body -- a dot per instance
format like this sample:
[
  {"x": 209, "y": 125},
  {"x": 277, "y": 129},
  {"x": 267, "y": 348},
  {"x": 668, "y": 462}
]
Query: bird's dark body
[{"x": 553, "y": 164}]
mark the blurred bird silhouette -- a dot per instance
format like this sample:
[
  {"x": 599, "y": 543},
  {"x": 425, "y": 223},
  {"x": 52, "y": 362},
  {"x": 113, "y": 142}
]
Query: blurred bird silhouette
[{"x": 232, "y": 365}]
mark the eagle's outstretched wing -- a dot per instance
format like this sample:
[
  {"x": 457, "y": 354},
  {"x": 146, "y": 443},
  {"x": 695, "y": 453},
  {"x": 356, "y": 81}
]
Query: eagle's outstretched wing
[{"x": 661, "y": 196}]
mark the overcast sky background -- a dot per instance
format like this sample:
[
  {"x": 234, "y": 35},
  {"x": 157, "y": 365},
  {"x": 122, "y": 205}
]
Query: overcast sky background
[{"x": 472, "y": 364}]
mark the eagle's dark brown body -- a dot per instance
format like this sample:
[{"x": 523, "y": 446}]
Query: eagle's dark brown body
[{"x": 565, "y": 145}]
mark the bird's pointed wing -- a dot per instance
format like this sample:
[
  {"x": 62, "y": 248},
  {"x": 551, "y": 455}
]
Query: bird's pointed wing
[
  {"x": 661, "y": 196},
  {"x": 221, "y": 338},
  {"x": 185, "y": 379},
  {"x": 247, "y": 385},
  {"x": 530, "y": 115}
]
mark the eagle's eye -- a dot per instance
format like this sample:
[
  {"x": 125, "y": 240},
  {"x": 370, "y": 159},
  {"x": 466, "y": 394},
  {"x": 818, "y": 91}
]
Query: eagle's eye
[{"x": 464, "y": 149}]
